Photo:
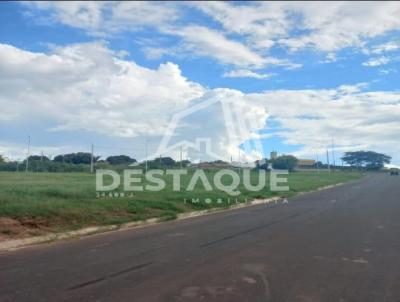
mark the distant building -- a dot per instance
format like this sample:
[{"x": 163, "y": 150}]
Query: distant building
[
  {"x": 273, "y": 155},
  {"x": 306, "y": 163}
]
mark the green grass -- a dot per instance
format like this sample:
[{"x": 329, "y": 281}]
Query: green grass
[{"x": 67, "y": 201}]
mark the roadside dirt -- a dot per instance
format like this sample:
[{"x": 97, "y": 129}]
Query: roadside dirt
[{"x": 14, "y": 229}]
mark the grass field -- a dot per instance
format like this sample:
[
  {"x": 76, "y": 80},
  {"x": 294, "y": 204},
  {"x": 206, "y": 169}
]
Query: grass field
[{"x": 37, "y": 203}]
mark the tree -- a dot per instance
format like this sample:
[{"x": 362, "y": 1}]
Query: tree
[
  {"x": 76, "y": 158},
  {"x": 166, "y": 161},
  {"x": 263, "y": 163},
  {"x": 38, "y": 158},
  {"x": 2, "y": 160},
  {"x": 366, "y": 159},
  {"x": 120, "y": 160},
  {"x": 285, "y": 162},
  {"x": 161, "y": 162}
]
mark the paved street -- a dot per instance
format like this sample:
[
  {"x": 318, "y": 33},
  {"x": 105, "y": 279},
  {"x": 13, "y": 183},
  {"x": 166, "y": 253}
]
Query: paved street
[{"x": 341, "y": 244}]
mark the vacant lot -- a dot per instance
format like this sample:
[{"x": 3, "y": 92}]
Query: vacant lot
[{"x": 37, "y": 203}]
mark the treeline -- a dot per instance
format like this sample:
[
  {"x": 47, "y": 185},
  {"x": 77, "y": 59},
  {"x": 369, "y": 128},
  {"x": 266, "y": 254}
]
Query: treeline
[
  {"x": 360, "y": 160},
  {"x": 81, "y": 162}
]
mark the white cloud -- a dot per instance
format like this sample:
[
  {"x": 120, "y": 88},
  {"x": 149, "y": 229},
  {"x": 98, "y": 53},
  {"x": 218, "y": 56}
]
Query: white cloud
[
  {"x": 243, "y": 73},
  {"x": 260, "y": 23},
  {"x": 352, "y": 117},
  {"x": 105, "y": 18},
  {"x": 89, "y": 87},
  {"x": 386, "y": 47},
  {"x": 326, "y": 26},
  {"x": 385, "y": 71},
  {"x": 378, "y": 61},
  {"x": 330, "y": 58},
  {"x": 349, "y": 89},
  {"x": 17, "y": 151},
  {"x": 154, "y": 53},
  {"x": 204, "y": 41},
  {"x": 81, "y": 14},
  {"x": 100, "y": 18}
]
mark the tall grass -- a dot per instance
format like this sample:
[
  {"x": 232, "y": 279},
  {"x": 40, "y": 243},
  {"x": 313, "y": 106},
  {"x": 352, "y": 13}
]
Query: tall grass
[{"x": 68, "y": 200}]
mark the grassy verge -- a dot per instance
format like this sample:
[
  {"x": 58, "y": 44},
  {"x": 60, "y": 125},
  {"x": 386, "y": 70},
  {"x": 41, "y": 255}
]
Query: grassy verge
[{"x": 38, "y": 203}]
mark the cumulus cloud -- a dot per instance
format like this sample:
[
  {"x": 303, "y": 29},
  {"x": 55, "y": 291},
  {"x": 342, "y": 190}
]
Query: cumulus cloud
[
  {"x": 88, "y": 87},
  {"x": 355, "y": 119}
]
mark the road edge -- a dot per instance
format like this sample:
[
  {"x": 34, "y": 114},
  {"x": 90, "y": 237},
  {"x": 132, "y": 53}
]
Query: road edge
[{"x": 14, "y": 244}]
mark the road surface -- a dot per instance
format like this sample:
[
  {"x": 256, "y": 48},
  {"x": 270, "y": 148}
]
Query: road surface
[{"x": 341, "y": 244}]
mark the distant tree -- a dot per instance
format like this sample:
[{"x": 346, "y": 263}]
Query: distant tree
[
  {"x": 318, "y": 164},
  {"x": 2, "y": 160},
  {"x": 185, "y": 162},
  {"x": 166, "y": 161},
  {"x": 38, "y": 157},
  {"x": 263, "y": 163},
  {"x": 76, "y": 158},
  {"x": 120, "y": 160},
  {"x": 58, "y": 158},
  {"x": 161, "y": 162},
  {"x": 285, "y": 162},
  {"x": 219, "y": 161},
  {"x": 366, "y": 159}
]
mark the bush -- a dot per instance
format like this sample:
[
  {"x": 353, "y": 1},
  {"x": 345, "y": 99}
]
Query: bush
[
  {"x": 285, "y": 162},
  {"x": 120, "y": 160}
]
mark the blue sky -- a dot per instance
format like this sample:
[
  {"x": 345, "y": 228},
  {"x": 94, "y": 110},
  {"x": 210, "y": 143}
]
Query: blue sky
[{"x": 73, "y": 74}]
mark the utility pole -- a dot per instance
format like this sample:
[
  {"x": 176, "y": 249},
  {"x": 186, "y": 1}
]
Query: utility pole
[
  {"x": 91, "y": 160},
  {"x": 41, "y": 160},
  {"x": 333, "y": 154},
  {"x": 181, "y": 155},
  {"x": 327, "y": 160},
  {"x": 27, "y": 156},
  {"x": 145, "y": 151},
  {"x": 240, "y": 163},
  {"x": 317, "y": 162}
]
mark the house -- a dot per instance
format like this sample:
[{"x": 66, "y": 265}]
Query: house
[{"x": 306, "y": 163}]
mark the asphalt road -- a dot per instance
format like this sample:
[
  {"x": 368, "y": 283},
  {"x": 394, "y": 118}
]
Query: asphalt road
[{"x": 341, "y": 244}]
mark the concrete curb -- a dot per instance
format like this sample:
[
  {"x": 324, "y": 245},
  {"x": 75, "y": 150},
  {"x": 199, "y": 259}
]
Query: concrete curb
[{"x": 11, "y": 245}]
